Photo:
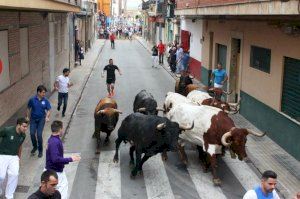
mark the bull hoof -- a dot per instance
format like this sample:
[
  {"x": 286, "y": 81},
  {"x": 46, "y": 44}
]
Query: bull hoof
[
  {"x": 185, "y": 162},
  {"x": 164, "y": 158},
  {"x": 217, "y": 181},
  {"x": 140, "y": 173},
  {"x": 116, "y": 160}
]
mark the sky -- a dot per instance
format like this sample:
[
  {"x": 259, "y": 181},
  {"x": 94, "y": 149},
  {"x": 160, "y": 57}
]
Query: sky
[{"x": 133, "y": 4}]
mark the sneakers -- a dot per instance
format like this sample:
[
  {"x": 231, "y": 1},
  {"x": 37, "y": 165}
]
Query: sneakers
[
  {"x": 40, "y": 154},
  {"x": 33, "y": 151}
]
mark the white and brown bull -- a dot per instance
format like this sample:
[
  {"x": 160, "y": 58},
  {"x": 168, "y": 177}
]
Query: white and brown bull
[
  {"x": 203, "y": 98},
  {"x": 106, "y": 117},
  {"x": 213, "y": 131},
  {"x": 172, "y": 99}
]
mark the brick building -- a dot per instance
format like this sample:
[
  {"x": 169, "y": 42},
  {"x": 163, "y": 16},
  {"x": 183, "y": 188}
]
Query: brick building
[
  {"x": 37, "y": 41},
  {"x": 257, "y": 42}
]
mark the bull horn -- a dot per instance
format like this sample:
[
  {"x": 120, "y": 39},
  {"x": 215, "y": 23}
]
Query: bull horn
[
  {"x": 186, "y": 128},
  {"x": 160, "y": 109},
  {"x": 256, "y": 133},
  {"x": 224, "y": 137},
  {"x": 227, "y": 93},
  {"x": 118, "y": 111},
  {"x": 101, "y": 111},
  {"x": 141, "y": 109},
  {"x": 161, "y": 126}
]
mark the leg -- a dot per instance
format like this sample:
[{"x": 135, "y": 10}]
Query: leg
[
  {"x": 182, "y": 154},
  {"x": 12, "y": 177},
  {"x": 60, "y": 98},
  {"x": 33, "y": 128},
  {"x": 107, "y": 137},
  {"x": 138, "y": 155},
  {"x": 131, "y": 150},
  {"x": 116, "y": 157},
  {"x": 203, "y": 158},
  {"x": 164, "y": 155},
  {"x": 108, "y": 90},
  {"x": 112, "y": 89},
  {"x": 213, "y": 160},
  {"x": 62, "y": 185},
  {"x": 66, "y": 96},
  {"x": 144, "y": 159},
  {"x": 40, "y": 128},
  {"x": 162, "y": 58},
  {"x": 3, "y": 169},
  {"x": 98, "y": 140}
]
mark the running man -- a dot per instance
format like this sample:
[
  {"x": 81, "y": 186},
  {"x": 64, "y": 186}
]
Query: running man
[{"x": 110, "y": 77}]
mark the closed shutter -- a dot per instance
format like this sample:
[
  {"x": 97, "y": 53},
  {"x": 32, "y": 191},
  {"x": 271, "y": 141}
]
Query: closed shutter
[{"x": 290, "y": 103}]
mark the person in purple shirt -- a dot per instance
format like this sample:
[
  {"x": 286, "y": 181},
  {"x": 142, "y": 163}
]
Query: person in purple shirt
[
  {"x": 55, "y": 159},
  {"x": 38, "y": 110}
]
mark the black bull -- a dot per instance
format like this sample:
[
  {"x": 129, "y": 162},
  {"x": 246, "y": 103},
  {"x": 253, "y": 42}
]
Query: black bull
[
  {"x": 145, "y": 103},
  {"x": 148, "y": 134}
]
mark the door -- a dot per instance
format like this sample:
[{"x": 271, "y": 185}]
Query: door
[
  {"x": 222, "y": 59},
  {"x": 51, "y": 55},
  {"x": 234, "y": 69}
]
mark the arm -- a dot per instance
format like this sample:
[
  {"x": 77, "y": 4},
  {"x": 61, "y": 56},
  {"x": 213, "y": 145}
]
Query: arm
[
  {"x": 119, "y": 71},
  {"x": 212, "y": 76},
  {"x": 20, "y": 151},
  {"x": 225, "y": 79},
  {"x": 102, "y": 74},
  {"x": 48, "y": 116},
  {"x": 2, "y": 132},
  {"x": 56, "y": 85},
  {"x": 28, "y": 111},
  {"x": 55, "y": 156}
]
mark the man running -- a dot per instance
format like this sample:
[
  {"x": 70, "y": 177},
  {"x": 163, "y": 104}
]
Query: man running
[{"x": 110, "y": 77}]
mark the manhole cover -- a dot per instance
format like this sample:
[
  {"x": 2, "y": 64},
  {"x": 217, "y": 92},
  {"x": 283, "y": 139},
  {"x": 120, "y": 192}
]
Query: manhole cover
[{"x": 22, "y": 189}]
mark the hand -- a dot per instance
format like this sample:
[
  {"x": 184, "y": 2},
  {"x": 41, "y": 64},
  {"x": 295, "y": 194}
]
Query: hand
[
  {"x": 27, "y": 118},
  {"x": 76, "y": 158},
  {"x": 55, "y": 88},
  {"x": 47, "y": 119}
]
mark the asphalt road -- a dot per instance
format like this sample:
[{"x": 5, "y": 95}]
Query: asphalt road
[{"x": 98, "y": 177}]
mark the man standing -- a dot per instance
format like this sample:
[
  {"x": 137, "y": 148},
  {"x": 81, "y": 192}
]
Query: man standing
[
  {"x": 62, "y": 85},
  {"x": 161, "y": 52},
  {"x": 154, "y": 56},
  {"x": 39, "y": 110},
  {"x": 55, "y": 157},
  {"x": 266, "y": 190},
  {"x": 179, "y": 56},
  {"x": 47, "y": 190},
  {"x": 10, "y": 154},
  {"x": 110, "y": 77},
  {"x": 112, "y": 40},
  {"x": 185, "y": 61},
  {"x": 219, "y": 76}
]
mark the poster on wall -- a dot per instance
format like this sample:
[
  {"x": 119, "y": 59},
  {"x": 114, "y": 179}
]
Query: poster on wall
[{"x": 4, "y": 65}]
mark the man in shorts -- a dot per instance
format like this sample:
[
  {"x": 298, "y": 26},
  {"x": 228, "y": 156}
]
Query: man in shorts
[{"x": 110, "y": 77}]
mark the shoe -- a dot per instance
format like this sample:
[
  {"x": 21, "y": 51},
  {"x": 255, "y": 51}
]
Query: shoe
[
  {"x": 33, "y": 151},
  {"x": 40, "y": 154},
  {"x": 58, "y": 108},
  {"x": 63, "y": 115}
]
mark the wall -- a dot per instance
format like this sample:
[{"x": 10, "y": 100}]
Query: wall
[
  {"x": 21, "y": 88},
  {"x": 184, "y": 4}
]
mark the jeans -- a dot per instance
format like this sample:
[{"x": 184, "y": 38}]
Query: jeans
[
  {"x": 179, "y": 67},
  {"x": 161, "y": 58},
  {"x": 36, "y": 128},
  {"x": 112, "y": 44},
  {"x": 63, "y": 97}
]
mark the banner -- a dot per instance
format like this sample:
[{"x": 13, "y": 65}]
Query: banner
[{"x": 4, "y": 65}]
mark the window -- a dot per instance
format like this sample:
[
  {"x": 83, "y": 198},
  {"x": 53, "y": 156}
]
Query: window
[
  {"x": 291, "y": 88},
  {"x": 4, "y": 64},
  {"x": 260, "y": 58}
]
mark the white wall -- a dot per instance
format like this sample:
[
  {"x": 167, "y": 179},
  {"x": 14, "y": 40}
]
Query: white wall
[{"x": 196, "y": 34}]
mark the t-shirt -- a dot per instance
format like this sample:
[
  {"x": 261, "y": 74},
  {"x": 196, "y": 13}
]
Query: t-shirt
[
  {"x": 111, "y": 71},
  {"x": 161, "y": 48},
  {"x": 185, "y": 59},
  {"x": 251, "y": 194},
  {"x": 63, "y": 84},
  {"x": 154, "y": 51},
  {"x": 179, "y": 54},
  {"x": 11, "y": 140},
  {"x": 40, "y": 195},
  {"x": 38, "y": 107},
  {"x": 219, "y": 75}
]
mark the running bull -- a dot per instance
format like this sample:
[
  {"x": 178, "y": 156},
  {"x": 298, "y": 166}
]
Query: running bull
[
  {"x": 106, "y": 117},
  {"x": 145, "y": 103},
  {"x": 213, "y": 131},
  {"x": 148, "y": 134}
]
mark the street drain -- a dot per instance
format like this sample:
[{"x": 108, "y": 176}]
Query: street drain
[{"x": 22, "y": 189}]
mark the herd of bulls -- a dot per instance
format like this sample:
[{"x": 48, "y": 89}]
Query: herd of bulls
[{"x": 190, "y": 116}]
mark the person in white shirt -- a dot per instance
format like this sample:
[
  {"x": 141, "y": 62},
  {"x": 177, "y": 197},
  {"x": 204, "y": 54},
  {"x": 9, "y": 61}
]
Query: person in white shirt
[
  {"x": 62, "y": 85},
  {"x": 266, "y": 190}
]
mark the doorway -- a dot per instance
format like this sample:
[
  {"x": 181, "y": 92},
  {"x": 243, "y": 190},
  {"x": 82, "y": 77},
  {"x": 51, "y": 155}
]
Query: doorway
[
  {"x": 234, "y": 70},
  {"x": 51, "y": 54}
]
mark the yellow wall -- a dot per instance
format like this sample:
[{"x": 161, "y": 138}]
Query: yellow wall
[
  {"x": 266, "y": 87},
  {"x": 104, "y": 5}
]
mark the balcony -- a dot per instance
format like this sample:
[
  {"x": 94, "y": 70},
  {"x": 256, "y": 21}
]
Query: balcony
[{"x": 146, "y": 5}]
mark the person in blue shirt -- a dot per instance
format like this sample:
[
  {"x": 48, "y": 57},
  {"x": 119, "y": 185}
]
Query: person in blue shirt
[
  {"x": 266, "y": 190},
  {"x": 219, "y": 76},
  {"x": 185, "y": 60},
  {"x": 38, "y": 111}
]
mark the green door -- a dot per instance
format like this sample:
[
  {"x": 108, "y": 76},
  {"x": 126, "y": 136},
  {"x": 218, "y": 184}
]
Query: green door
[
  {"x": 291, "y": 88},
  {"x": 222, "y": 55}
]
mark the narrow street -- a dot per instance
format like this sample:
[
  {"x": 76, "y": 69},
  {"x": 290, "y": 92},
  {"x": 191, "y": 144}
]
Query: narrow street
[{"x": 96, "y": 176}]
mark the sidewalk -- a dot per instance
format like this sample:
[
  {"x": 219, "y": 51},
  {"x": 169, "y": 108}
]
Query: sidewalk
[
  {"x": 264, "y": 153},
  {"x": 31, "y": 167}
]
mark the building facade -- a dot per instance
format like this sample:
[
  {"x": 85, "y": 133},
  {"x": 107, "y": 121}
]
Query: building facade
[
  {"x": 37, "y": 41},
  {"x": 257, "y": 43}
]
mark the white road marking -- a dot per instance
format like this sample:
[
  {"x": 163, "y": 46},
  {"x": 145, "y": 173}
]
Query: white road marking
[
  {"x": 156, "y": 179},
  {"x": 109, "y": 177},
  {"x": 242, "y": 172}
]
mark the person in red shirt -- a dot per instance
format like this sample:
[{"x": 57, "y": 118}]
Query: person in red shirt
[
  {"x": 112, "y": 38},
  {"x": 161, "y": 52}
]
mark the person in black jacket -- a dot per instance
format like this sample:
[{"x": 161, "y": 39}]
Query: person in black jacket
[
  {"x": 47, "y": 190},
  {"x": 154, "y": 57}
]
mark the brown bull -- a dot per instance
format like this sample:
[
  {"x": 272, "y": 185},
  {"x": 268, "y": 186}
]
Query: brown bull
[
  {"x": 106, "y": 117},
  {"x": 226, "y": 107}
]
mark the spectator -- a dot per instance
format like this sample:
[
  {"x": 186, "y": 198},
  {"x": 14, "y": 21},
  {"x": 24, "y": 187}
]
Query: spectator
[
  {"x": 172, "y": 59},
  {"x": 161, "y": 52},
  {"x": 62, "y": 85},
  {"x": 39, "y": 110},
  {"x": 179, "y": 56},
  {"x": 10, "y": 154},
  {"x": 185, "y": 61},
  {"x": 55, "y": 157},
  {"x": 219, "y": 76},
  {"x": 154, "y": 56},
  {"x": 266, "y": 190},
  {"x": 297, "y": 196},
  {"x": 47, "y": 190},
  {"x": 112, "y": 40}
]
